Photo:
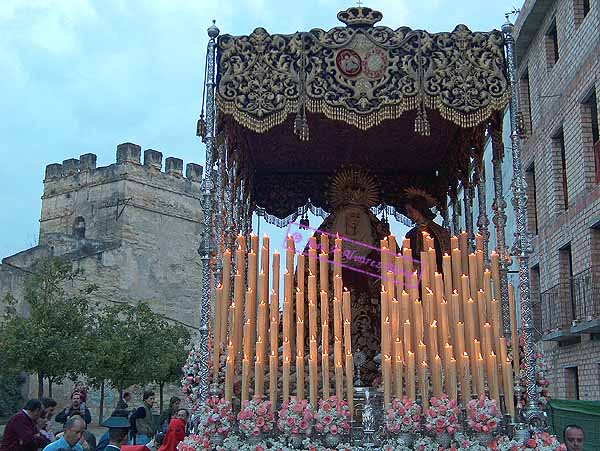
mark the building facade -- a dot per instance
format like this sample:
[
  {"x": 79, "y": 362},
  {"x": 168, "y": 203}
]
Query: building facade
[
  {"x": 558, "y": 59},
  {"x": 132, "y": 227}
]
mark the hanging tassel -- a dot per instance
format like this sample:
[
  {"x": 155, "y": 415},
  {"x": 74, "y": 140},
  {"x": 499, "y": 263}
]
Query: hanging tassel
[
  {"x": 301, "y": 124},
  {"x": 201, "y": 127},
  {"x": 304, "y": 223},
  {"x": 421, "y": 122}
]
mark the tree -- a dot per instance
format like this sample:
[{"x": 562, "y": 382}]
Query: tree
[
  {"x": 50, "y": 338},
  {"x": 134, "y": 345},
  {"x": 172, "y": 342}
]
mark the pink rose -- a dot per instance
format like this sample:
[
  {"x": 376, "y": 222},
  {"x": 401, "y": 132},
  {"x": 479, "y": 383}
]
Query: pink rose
[
  {"x": 303, "y": 425},
  {"x": 333, "y": 429},
  {"x": 260, "y": 421},
  {"x": 327, "y": 419},
  {"x": 290, "y": 421}
]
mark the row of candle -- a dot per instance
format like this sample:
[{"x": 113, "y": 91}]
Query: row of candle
[
  {"x": 228, "y": 318},
  {"x": 431, "y": 327}
]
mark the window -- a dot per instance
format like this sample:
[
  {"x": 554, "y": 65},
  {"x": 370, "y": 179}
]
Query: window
[
  {"x": 565, "y": 262},
  {"x": 581, "y": 8},
  {"x": 552, "y": 45},
  {"x": 589, "y": 129},
  {"x": 571, "y": 383},
  {"x": 560, "y": 159},
  {"x": 532, "y": 213},
  {"x": 525, "y": 96}
]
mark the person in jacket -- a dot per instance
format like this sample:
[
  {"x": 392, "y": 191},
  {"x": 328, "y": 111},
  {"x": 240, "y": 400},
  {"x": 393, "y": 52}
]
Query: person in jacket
[
  {"x": 21, "y": 433},
  {"x": 144, "y": 420},
  {"x": 74, "y": 428},
  {"x": 75, "y": 407}
]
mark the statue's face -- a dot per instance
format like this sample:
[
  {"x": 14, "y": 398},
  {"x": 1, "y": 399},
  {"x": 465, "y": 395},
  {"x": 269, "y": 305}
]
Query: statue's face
[
  {"x": 414, "y": 214},
  {"x": 352, "y": 220}
]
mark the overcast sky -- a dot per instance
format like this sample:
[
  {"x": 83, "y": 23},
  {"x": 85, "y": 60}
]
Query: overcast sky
[{"x": 80, "y": 76}]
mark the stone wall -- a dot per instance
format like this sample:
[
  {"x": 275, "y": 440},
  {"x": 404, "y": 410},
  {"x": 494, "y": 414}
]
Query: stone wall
[{"x": 553, "y": 96}]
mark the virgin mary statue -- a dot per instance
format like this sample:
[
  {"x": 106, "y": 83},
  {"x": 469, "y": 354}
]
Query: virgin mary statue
[{"x": 352, "y": 193}]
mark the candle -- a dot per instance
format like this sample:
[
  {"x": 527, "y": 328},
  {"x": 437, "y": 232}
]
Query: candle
[
  {"x": 455, "y": 310},
  {"x": 312, "y": 255},
  {"x": 492, "y": 373},
  {"x": 476, "y": 352},
  {"x": 424, "y": 384},
  {"x": 478, "y": 241},
  {"x": 413, "y": 288},
  {"x": 339, "y": 380},
  {"x": 300, "y": 272},
  {"x": 324, "y": 312},
  {"x": 410, "y": 376},
  {"x": 217, "y": 334},
  {"x": 438, "y": 294},
  {"x": 495, "y": 264},
  {"x": 312, "y": 318},
  {"x": 418, "y": 316},
  {"x": 507, "y": 379},
  {"x": 245, "y": 378},
  {"x": 347, "y": 308},
  {"x": 436, "y": 376},
  {"x": 480, "y": 379},
  {"x": 273, "y": 364},
  {"x": 238, "y": 297},
  {"x": 325, "y": 338},
  {"x": 300, "y": 374},
  {"x": 407, "y": 263},
  {"x": 422, "y": 352},
  {"x": 225, "y": 301},
  {"x": 274, "y": 327},
  {"x": 259, "y": 378},
  {"x": 459, "y": 340},
  {"x": 457, "y": 270},
  {"x": 385, "y": 256},
  {"x": 465, "y": 292},
  {"x": 470, "y": 334},
  {"x": 384, "y": 310},
  {"x": 398, "y": 369},
  {"x": 427, "y": 305},
  {"x": 496, "y": 322},
  {"x": 337, "y": 321},
  {"x": 229, "y": 368},
  {"x": 480, "y": 268},
  {"x": 262, "y": 326},
  {"x": 275, "y": 275},
  {"x": 482, "y": 318},
  {"x": 464, "y": 249},
  {"x": 337, "y": 258},
  {"x": 325, "y": 374},
  {"x": 433, "y": 342},
  {"x": 473, "y": 282},
  {"x": 286, "y": 378},
  {"x": 447, "y": 272},
  {"x": 443, "y": 315},
  {"x": 299, "y": 336},
  {"x": 337, "y": 350},
  {"x": 425, "y": 278},
  {"x": 513, "y": 329},
  {"x": 247, "y": 339},
  {"x": 312, "y": 372},
  {"x": 387, "y": 379},
  {"x": 487, "y": 338},
  {"x": 450, "y": 380},
  {"x": 398, "y": 278},
  {"x": 465, "y": 383},
  {"x": 407, "y": 337},
  {"x": 324, "y": 267},
  {"x": 347, "y": 337},
  {"x": 385, "y": 337},
  {"x": 395, "y": 317},
  {"x": 453, "y": 242},
  {"x": 405, "y": 307},
  {"x": 349, "y": 382}
]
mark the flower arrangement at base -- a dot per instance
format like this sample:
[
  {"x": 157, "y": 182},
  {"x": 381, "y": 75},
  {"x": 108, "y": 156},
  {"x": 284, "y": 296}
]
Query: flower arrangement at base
[
  {"x": 542, "y": 368},
  {"x": 426, "y": 444},
  {"x": 543, "y": 442},
  {"x": 190, "y": 381},
  {"x": 332, "y": 417},
  {"x": 483, "y": 415},
  {"x": 256, "y": 418},
  {"x": 402, "y": 415},
  {"x": 193, "y": 443},
  {"x": 295, "y": 417},
  {"x": 442, "y": 415},
  {"x": 504, "y": 443},
  {"x": 215, "y": 417},
  {"x": 462, "y": 443}
]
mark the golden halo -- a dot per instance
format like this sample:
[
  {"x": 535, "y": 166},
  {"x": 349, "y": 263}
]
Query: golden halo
[
  {"x": 413, "y": 192},
  {"x": 353, "y": 186}
]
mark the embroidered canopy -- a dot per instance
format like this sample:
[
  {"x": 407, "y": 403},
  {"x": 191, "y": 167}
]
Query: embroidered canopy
[{"x": 409, "y": 106}]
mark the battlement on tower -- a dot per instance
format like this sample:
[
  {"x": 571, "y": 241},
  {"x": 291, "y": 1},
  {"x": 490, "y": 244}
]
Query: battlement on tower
[
  {"x": 138, "y": 192},
  {"x": 73, "y": 172}
]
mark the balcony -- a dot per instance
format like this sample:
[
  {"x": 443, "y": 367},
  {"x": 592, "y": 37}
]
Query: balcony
[
  {"x": 586, "y": 300},
  {"x": 557, "y": 312},
  {"x": 572, "y": 308}
]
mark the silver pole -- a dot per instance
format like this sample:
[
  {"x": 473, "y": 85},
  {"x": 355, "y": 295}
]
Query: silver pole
[
  {"x": 208, "y": 187},
  {"x": 522, "y": 246}
]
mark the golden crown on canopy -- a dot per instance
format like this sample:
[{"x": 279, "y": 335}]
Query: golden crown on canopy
[
  {"x": 353, "y": 186},
  {"x": 359, "y": 16}
]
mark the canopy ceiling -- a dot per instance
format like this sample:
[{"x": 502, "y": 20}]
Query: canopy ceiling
[{"x": 409, "y": 106}]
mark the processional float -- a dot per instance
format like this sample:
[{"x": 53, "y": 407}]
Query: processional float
[{"x": 341, "y": 123}]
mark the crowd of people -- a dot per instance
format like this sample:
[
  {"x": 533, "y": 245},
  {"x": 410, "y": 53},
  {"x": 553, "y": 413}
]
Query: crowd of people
[
  {"x": 39, "y": 426},
  {"x": 36, "y": 428}
]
